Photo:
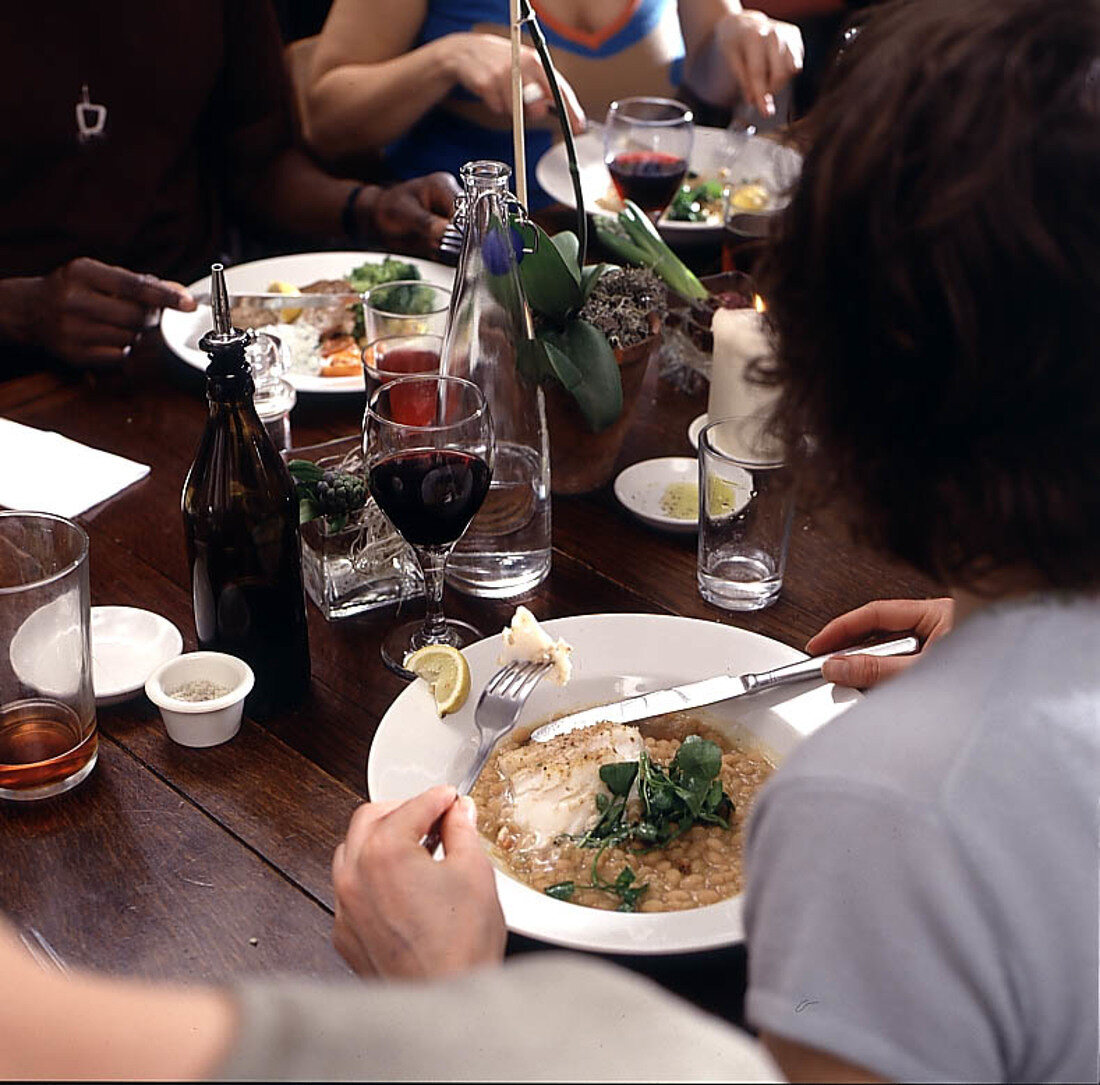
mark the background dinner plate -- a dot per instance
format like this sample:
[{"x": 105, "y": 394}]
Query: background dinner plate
[
  {"x": 182, "y": 331},
  {"x": 761, "y": 158},
  {"x": 615, "y": 656},
  {"x": 641, "y": 486}
]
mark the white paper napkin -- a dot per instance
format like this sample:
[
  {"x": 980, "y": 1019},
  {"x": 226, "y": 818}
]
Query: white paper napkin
[{"x": 42, "y": 471}]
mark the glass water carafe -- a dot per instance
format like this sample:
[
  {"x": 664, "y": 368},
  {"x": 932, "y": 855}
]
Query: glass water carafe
[{"x": 506, "y": 550}]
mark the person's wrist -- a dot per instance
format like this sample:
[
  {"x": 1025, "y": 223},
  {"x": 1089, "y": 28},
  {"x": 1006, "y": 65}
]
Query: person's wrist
[
  {"x": 19, "y": 299},
  {"x": 445, "y": 59},
  {"x": 361, "y": 217}
]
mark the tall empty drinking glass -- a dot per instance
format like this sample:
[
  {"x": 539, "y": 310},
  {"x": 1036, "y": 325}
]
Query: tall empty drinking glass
[
  {"x": 745, "y": 512},
  {"x": 47, "y": 703},
  {"x": 430, "y": 478},
  {"x": 405, "y": 307}
]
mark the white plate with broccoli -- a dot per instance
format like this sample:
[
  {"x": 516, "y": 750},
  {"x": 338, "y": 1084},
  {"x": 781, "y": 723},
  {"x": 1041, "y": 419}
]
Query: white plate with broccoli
[
  {"x": 362, "y": 270},
  {"x": 758, "y": 175}
]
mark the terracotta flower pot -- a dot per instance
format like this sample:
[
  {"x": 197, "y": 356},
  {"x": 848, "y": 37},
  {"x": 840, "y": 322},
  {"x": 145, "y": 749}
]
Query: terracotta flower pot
[{"x": 580, "y": 460}]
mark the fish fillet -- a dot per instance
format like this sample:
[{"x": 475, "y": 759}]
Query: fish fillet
[{"x": 554, "y": 784}]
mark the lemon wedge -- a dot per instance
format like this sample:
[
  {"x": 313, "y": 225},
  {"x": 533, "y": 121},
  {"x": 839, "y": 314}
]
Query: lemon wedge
[
  {"x": 447, "y": 673},
  {"x": 288, "y": 316},
  {"x": 750, "y": 197}
]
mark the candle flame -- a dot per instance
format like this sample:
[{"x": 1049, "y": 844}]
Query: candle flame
[{"x": 758, "y": 303}]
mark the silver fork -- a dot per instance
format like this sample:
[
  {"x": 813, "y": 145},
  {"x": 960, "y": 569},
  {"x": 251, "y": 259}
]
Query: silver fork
[
  {"x": 450, "y": 244},
  {"x": 497, "y": 711},
  {"x": 45, "y": 956}
]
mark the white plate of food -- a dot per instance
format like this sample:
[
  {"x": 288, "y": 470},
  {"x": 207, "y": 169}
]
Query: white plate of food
[
  {"x": 614, "y": 656},
  {"x": 305, "y": 337},
  {"x": 758, "y": 177},
  {"x": 663, "y": 492}
]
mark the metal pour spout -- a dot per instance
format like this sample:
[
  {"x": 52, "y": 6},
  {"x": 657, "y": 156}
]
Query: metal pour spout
[
  {"x": 223, "y": 339},
  {"x": 219, "y": 301}
]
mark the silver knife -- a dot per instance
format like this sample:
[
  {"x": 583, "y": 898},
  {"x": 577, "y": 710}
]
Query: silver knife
[
  {"x": 285, "y": 301},
  {"x": 709, "y": 691}
]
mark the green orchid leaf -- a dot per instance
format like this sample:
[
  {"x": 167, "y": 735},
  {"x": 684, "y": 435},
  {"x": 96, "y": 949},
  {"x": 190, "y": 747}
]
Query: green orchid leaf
[
  {"x": 532, "y": 361},
  {"x": 551, "y": 283},
  {"x": 569, "y": 249},
  {"x": 561, "y": 365},
  {"x": 599, "y": 389},
  {"x": 592, "y": 274}
]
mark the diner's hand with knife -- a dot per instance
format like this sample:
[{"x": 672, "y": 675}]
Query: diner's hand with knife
[
  {"x": 929, "y": 619},
  {"x": 402, "y": 914},
  {"x": 86, "y": 312}
]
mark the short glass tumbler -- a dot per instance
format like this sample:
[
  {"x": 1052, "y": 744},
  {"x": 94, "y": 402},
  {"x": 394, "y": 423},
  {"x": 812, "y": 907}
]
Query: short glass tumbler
[
  {"x": 745, "y": 512},
  {"x": 47, "y": 702}
]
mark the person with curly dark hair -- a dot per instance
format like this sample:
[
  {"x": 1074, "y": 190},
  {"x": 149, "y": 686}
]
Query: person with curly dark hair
[{"x": 922, "y": 895}]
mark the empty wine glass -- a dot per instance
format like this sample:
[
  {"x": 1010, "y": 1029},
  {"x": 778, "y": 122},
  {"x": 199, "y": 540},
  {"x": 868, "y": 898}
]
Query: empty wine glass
[
  {"x": 429, "y": 470},
  {"x": 647, "y": 147}
]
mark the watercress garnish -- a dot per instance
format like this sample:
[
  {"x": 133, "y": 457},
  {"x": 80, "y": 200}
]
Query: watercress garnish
[{"x": 690, "y": 793}]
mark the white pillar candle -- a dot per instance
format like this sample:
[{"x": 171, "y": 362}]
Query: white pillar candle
[{"x": 739, "y": 342}]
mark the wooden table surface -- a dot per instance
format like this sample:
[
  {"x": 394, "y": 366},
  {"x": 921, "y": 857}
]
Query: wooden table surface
[{"x": 207, "y": 864}]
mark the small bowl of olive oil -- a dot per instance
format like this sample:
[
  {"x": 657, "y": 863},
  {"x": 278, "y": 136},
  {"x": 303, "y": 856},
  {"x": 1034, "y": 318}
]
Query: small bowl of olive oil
[{"x": 663, "y": 493}]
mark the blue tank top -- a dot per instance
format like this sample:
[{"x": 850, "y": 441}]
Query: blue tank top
[{"x": 443, "y": 141}]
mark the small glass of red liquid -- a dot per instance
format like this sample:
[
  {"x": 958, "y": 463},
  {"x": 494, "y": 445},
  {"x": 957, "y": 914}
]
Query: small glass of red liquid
[
  {"x": 647, "y": 148},
  {"x": 392, "y": 356}
]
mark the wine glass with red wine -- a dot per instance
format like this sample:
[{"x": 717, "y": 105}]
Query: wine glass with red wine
[
  {"x": 647, "y": 147},
  {"x": 429, "y": 472}
]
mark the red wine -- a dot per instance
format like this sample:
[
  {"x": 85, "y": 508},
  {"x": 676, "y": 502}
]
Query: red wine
[
  {"x": 649, "y": 178},
  {"x": 415, "y": 405},
  {"x": 430, "y": 495}
]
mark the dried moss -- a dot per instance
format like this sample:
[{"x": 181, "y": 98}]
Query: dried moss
[{"x": 621, "y": 305}]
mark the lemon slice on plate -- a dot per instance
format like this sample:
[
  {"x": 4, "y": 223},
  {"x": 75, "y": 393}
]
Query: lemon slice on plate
[
  {"x": 447, "y": 673},
  {"x": 288, "y": 316}
]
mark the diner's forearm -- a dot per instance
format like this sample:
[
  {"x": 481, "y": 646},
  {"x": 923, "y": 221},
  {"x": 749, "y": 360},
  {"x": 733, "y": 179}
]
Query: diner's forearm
[
  {"x": 63, "y": 1027},
  {"x": 698, "y": 18},
  {"x": 354, "y": 108},
  {"x": 16, "y": 308},
  {"x": 294, "y": 196}
]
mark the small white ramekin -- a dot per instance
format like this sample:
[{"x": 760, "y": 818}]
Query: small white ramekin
[{"x": 201, "y": 723}]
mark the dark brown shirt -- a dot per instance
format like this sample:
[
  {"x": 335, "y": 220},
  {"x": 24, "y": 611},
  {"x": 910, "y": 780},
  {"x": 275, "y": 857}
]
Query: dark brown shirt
[{"x": 196, "y": 104}]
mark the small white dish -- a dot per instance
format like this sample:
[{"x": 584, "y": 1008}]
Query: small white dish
[
  {"x": 128, "y": 644},
  {"x": 201, "y": 723},
  {"x": 697, "y": 425},
  {"x": 641, "y": 487}
]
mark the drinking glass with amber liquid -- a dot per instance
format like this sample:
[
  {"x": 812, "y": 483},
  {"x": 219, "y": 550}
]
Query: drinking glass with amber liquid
[{"x": 47, "y": 703}]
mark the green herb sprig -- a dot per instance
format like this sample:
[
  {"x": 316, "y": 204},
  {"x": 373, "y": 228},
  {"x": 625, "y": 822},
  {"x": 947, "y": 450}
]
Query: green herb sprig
[
  {"x": 690, "y": 793},
  {"x": 633, "y": 238},
  {"x": 334, "y": 495}
]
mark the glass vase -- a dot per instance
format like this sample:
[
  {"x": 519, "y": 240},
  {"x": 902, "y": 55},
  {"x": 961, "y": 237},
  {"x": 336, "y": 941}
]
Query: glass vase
[
  {"x": 506, "y": 550},
  {"x": 366, "y": 563}
]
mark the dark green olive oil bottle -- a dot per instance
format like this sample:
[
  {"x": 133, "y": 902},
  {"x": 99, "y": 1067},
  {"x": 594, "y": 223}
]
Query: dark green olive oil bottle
[{"x": 240, "y": 516}]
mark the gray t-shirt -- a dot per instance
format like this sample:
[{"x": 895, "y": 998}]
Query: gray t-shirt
[
  {"x": 923, "y": 877},
  {"x": 545, "y": 1017}
]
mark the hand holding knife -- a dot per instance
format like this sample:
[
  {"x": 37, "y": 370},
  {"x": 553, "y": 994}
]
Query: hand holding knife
[{"x": 710, "y": 691}]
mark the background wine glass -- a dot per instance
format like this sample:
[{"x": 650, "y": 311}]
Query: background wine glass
[
  {"x": 647, "y": 147},
  {"x": 429, "y": 478}
]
